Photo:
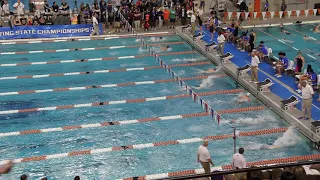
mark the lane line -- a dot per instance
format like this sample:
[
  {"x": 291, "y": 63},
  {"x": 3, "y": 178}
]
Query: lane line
[
  {"x": 69, "y": 39},
  {"x": 227, "y": 167},
  {"x": 145, "y": 145},
  {"x": 99, "y": 71},
  {"x": 104, "y": 85},
  {"x": 90, "y": 59},
  {"x": 139, "y": 100},
  {"x": 87, "y": 49},
  {"x": 124, "y": 122}
]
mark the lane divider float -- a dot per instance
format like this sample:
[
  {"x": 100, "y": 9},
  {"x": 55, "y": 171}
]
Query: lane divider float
[
  {"x": 139, "y": 100},
  {"x": 92, "y": 59},
  {"x": 105, "y": 85},
  {"x": 145, "y": 145},
  {"x": 125, "y": 122},
  {"x": 86, "y": 49},
  {"x": 227, "y": 167},
  {"x": 100, "y": 71},
  {"x": 85, "y": 38}
]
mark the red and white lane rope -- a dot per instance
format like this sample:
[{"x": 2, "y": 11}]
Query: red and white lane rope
[
  {"x": 145, "y": 145},
  {"x": 51, "y": 40},
  {"x": 104, "y": 86},
  {"x": 190, "y": 91},
  {"x": 86, "y": 49},
  {"x": 227, "y": 167},
  {"x": 124, "y": 122},
  {"x": 139, "y": 100},
  {"x": 100, "y": 71},
  {"x": 93, "y": 59}
]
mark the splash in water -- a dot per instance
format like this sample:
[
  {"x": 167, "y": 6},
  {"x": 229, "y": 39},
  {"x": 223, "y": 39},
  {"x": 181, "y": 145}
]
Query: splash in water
[
  {"x": 142, "y": 49},
  {"x": 289, "y": 138},
  {"x": 156, "y": 39},
  {"x": 262, "y": 118},
  {"x": 186, "y": 59},
  {"x": 206, "y": 83}
]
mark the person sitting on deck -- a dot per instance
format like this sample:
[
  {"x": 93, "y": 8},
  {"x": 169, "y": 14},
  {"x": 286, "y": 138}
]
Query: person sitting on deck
[
  {"x": 282, "y": 64},
  {"x": 310, "y": 77},
  {"x": 243, "y": 41},
  {"x": 263, "y": 50}
]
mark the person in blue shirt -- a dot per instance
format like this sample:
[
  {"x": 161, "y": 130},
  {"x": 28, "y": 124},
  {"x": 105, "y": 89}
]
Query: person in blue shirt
[
  {"x": 263, "y": 50},
  {"x": 313, "y": 77},
  {"x": 282, "y": 64}
]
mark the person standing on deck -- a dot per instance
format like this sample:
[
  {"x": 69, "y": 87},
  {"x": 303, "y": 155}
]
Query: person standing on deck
[
  {"x": 221, "y": 40},
  {"x": 254, "y": 67},
  {"x": 204, "y": 157},
  {"x": 307, "y": 94},
  {"x": 95, "y": 25}
]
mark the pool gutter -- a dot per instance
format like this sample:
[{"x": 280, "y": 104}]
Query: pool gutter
[{"x": 270, "y": 99}]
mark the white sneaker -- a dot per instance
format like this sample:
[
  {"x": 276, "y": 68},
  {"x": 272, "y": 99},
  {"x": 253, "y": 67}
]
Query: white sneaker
[
  {"x": 256, "y": 82},
  {"x": 242, "y": 50},
  {"x": 276, "y": 75},
  {"x": 279, "y": 76},
  {"x": 251, "y": 81}
]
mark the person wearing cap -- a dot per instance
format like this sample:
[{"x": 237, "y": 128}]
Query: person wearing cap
[
  {"x": 243, "y": 98},
  {"x": 204, "y": 157},
  {"x": 282, "y": 64}
]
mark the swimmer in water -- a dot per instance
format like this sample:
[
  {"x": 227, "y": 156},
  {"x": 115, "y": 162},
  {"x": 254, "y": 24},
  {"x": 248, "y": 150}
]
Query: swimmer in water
[
  {"x": 317, "y": 29},
  {"x": 285, "y": 32},
  {"x": 211, "y": 70},
  {"x": 165, "y": 48},
  {"x": 243, "y": 98},
  {"x": 287, "y": 40},
  {"x": 307, "y": 38}
]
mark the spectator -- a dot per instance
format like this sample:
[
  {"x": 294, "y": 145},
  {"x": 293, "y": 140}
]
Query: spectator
[
  {"x": 23, "y": 20},
  {"x": 30, "y": 21},
  {"x": 95, "y": 25},
  {"x": 250, "y": 10},
  {"x": 166, "y": 14},
  {"x": 204, "y": 157},
  {"x": 32, "y": 6},
  {"x": 254, "y": 67},
  {"x": 154, "y": 18},
  {"x": 48, "y": 20},
  {"x": 46, "y": 6},
  {"x": 283, "y": 6},
  {"x": 103, "y": 10},
  {"x": 299, "y": 61},
  {"x": 64, "y": 6},
  {"x": 243, "y": 6},
  {"x": 36, "y": 21},
  {"x": 1, "y": 21},
  {"x": 172, "y": 17},
  {"x": 109, "y": 6},
  {"x": 307, "y": 94},
  {"x": 23, "y": 177},
  {"x": 42, "y": 20},
  {"x": 96, "y": 10},
  {"x": 287, "y": 176},
  {"x": 160, "y": 16},
  {"x": 200, "y": 17},
  {"x": 146, "y": 25},
  {"x": 118, "y": 3},
  {"x": 183, "y": 15},
  {"x": 82, "y": 7},
  {"x": 137, "y": 19},
  {"x": 19, "y": 6},
  {"x": 282, "y": 64},
  {"x": 55, "y": 7},
  {"x": 266, "y": 6},
  {"x": 239, "y": 162},
  {"x": 6, "y": 8},
  {"x": 117, "y": 20},
  {"x": 55, "y": 20},
  {"x": 17, "y": 21}
]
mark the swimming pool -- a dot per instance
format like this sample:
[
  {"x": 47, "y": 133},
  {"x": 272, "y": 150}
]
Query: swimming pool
[{"x": 72, "y": 100}]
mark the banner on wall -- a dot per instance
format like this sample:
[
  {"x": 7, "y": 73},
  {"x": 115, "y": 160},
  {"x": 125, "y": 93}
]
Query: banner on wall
[{"x": 53, "y": 31}]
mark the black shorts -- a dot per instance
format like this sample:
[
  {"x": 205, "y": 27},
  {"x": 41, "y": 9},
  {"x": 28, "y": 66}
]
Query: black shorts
[
  {"x": 200, "y": 21},
  {"x": 172, "y": 20},
  {"x": 211, "y": 29}
]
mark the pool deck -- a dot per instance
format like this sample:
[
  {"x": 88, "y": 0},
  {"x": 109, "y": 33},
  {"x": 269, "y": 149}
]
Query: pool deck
[{"x": 271, "y": 99}]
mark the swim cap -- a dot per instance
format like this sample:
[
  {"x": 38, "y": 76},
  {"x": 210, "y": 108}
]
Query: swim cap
[{"x": 248, "y": 94}]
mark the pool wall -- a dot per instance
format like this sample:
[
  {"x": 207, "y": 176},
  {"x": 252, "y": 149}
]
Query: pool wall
[{"x": 269, "y": 98}]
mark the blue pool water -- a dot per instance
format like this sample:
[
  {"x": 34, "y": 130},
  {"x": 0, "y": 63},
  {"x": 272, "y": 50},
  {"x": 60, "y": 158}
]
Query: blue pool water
[{"x": 135, "y": 162}]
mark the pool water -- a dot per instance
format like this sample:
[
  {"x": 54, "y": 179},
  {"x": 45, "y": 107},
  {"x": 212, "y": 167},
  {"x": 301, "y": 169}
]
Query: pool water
[{"x": 136, "y": 162}]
